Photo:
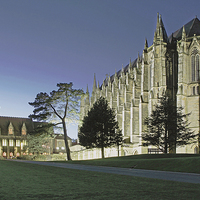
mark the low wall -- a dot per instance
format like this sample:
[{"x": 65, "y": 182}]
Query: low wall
[{"x": 95, "y": 153}]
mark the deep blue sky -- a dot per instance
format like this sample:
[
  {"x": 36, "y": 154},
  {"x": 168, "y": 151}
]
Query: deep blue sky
[{"x": 44, "y": 42}]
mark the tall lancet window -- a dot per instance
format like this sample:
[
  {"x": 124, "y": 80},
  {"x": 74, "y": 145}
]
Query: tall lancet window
[
  {"x": 195, "y": 65},
  {"x": 150, "y": 80}
]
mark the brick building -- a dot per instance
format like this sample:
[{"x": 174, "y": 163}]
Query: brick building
[{"x": 13, "y": 133}]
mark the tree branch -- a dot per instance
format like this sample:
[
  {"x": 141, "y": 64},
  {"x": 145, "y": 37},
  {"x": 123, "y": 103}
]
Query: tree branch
[
  {"x": 65, "y": 114},
  {"x": 57, "y": 123},
  {"x": 55, "y": 111}
]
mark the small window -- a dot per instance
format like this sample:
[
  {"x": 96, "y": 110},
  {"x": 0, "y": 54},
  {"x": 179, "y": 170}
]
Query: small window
[
  {"x": 17, "y": 143},
  {"x": 198, "y": 90},
  {"x": 23, "y": 132},
  {"x": 24, "y": 142},
  {"x": 11, "y": 143},
  {"x": 10, "y": 129},
  {"x": 4, "y": 142},
  {"x": 23, "y": 129}
]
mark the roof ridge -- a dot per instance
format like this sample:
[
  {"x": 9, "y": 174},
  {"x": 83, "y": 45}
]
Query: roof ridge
[
  {"x": 15, "y": 117},
  {"x": 190, "y": 29},
  {"x": 119, "y": 71},
  {"x": 191, "y": 26}
]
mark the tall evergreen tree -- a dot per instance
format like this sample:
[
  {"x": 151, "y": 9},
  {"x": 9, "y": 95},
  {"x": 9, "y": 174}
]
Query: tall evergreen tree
[
  {"x": 58, "y": 107},
  {"x": 100, "y": 128},
  {"x": 167, "y": 127}
]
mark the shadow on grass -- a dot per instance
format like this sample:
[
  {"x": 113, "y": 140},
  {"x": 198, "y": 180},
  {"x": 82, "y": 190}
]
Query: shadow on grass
[{"x": 30, "y": 181}]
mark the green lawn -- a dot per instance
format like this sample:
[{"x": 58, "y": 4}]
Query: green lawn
[
  {"x": 169, "y": 162},
  {"x": 29, "y": 181}
]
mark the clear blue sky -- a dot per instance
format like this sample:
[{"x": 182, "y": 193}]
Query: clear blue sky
[{"x": 44, "y": 42}]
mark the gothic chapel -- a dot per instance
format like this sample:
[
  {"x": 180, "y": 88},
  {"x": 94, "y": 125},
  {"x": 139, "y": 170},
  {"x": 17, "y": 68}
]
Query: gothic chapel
[{"x": 170, "y": 64}]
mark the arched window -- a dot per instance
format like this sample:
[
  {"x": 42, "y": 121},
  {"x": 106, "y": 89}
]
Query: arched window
[
  {"x": 151, "y": 77},
  {"x": 195, "y": 65}
]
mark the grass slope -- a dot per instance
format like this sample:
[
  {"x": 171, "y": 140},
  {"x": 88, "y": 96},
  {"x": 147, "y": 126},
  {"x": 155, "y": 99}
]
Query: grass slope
[
  {"x": 170, "y": 162},
  {"x": 29, "y": 181}
]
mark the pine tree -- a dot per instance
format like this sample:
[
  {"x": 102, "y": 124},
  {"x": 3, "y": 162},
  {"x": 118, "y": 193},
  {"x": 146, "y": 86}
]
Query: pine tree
[
  {"x": 60, "y": 107},
  {"x": 100, "y": 128},
  {"x": 167, "y": 127}
]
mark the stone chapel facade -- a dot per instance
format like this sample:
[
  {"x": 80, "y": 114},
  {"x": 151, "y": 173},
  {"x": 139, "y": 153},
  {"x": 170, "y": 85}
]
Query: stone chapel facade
[{"x": 170, "y": 64}]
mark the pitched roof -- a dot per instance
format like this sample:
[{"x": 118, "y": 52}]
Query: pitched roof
[
  {"x": 125, "y": 69},
  {"x": 191, "y": 28},
  {"x": 17, "y": 123},
  {"x": 61, "y": 137}
]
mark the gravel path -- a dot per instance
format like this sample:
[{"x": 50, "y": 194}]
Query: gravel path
[{"x": 164, "y": 175}]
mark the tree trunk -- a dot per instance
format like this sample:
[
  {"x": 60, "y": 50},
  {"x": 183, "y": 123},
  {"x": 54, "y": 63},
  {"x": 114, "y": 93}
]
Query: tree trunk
[
  {"x": 165, "y": 149},
  {"x": 173, "y": 131},
  {"x": 118, "y": 150},
  {"x": 66, "y": 141},
  {"x": 102, "y": 142},
  {"x": 102, "y": 152}
]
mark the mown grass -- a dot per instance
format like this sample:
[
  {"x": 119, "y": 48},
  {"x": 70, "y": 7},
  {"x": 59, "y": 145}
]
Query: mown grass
[
  {"x": 170, "y": 162},
  {"x": 29, "y": 181}
]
